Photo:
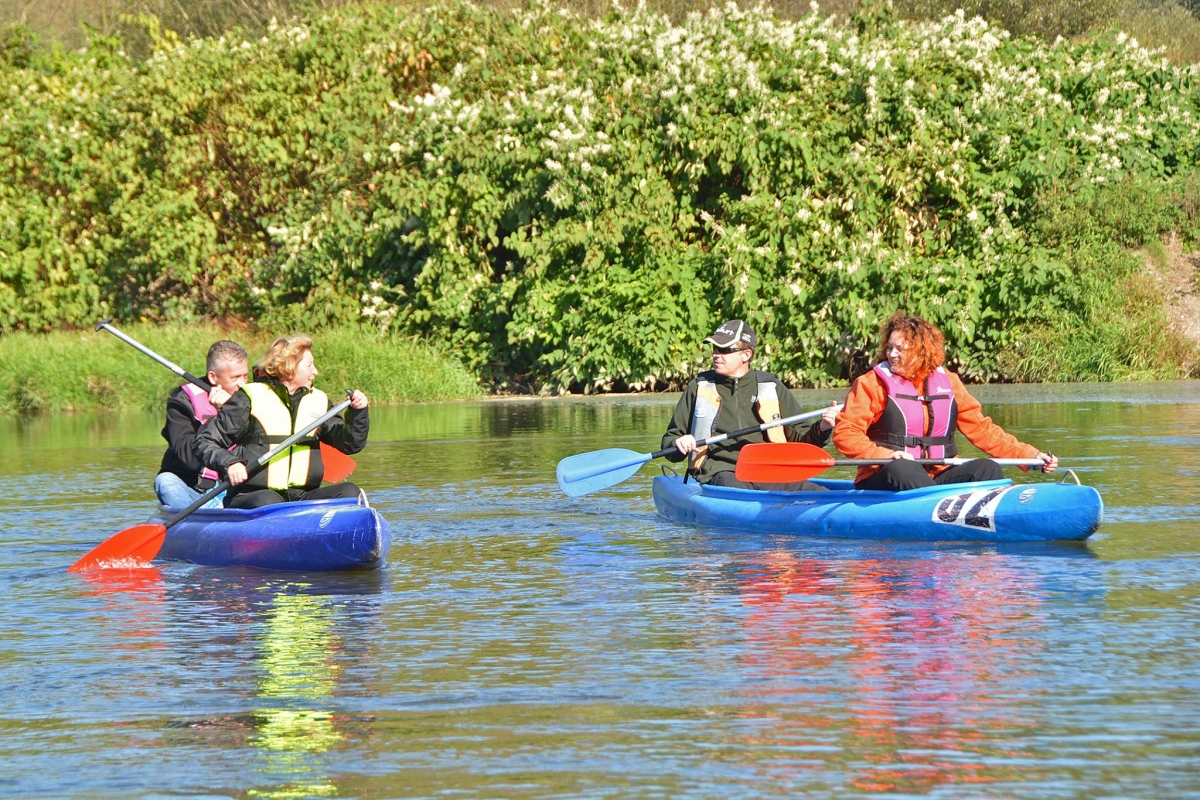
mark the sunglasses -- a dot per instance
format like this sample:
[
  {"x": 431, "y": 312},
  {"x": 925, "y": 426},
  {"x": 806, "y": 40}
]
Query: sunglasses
[{"x": 724, "y": 351}]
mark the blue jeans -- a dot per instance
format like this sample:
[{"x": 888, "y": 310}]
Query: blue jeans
[{"x": 174, "y": 493}]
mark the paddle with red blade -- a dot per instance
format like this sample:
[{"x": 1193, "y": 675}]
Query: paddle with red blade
[
  {"x": 585, "y": 473},
  {"x": 797, "y": 461},
  {"x": 338, "y": 465},
  {"x": 142, "y": 542}
]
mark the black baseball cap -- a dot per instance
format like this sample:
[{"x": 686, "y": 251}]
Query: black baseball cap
[{"x": 733, "y": 332}]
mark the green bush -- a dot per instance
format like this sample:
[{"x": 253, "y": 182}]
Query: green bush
[
  {"x": 1115, "y": 328},
  {"x": 1121, "y": 335},
  {"x": 566, "y": 203}
]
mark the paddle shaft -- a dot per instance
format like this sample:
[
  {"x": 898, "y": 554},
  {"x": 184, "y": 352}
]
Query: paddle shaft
[
  {"x": 178, "y": 370},
  {"x": 933, "y": 462},
  {"x": 627, "y": 458},
  {"x": 261, "y": 462},
  {"x": 775, "y": 423}
]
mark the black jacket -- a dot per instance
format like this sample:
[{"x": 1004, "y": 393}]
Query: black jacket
[
  {"x": 180, "y": 433},
  {"x": 235, "y": 425},
  {"x": 736, "y": 412}
]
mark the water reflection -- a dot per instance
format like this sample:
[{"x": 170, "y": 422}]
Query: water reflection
[
  {"x": 294, "y": 727},
  {"x": 525, "y": 643},
  {"x": 277, "y": 641},
  {"x": 145, "y": 581},
  {"x": 300, "y": 654},
  {"x": 135, "y": 606},
  {"x": 912, "y": 667}
]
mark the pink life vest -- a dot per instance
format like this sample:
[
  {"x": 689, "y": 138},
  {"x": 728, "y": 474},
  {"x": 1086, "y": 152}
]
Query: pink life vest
[
  {"x": 901, "y": 426},
  {"x": 203, "y": 410}
]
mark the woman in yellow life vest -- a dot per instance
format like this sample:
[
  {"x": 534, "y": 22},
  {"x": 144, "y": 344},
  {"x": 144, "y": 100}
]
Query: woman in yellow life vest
[
  {"x": 260, "y": 415},
  {"x": 731, "y": 397}
]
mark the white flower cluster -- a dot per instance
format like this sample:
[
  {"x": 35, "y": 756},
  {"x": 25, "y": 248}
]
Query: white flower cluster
[{"x": 376, "y": 308}]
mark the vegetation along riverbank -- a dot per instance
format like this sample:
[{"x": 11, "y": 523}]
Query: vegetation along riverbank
[
  {"x": 71, "y": 371},
  {"x": 565, "y": 203}
]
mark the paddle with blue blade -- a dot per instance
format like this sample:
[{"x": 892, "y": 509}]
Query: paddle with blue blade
[
  {"x": 797, "y": 461},
  {"x": 338, "y": 465},
  {"x": 590, "y": 472},
  {"x": 142, "y": 542}
]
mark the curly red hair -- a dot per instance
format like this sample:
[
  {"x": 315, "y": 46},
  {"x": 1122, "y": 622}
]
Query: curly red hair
[{"x": 926, "y": 349}]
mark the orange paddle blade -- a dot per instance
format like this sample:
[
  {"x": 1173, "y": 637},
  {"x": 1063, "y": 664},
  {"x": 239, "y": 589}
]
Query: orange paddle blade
[
  {"x": 338, "y": 465},
  {"x": 140, "y": 543},
  {"x": 781, "y": 463}
]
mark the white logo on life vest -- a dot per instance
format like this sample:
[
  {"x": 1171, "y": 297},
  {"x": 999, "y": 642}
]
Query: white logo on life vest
[
  {"x": 325, "y": 519},
  {"x": 970, "y": 510}
]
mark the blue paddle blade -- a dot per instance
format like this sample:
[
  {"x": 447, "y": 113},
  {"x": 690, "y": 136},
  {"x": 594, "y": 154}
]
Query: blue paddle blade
[{"x": 590, "y": 472}]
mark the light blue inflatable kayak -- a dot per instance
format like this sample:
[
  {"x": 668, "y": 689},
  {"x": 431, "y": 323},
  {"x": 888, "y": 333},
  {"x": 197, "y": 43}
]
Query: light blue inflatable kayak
[
  {"x": 312, "y": 535},
  {"x": 988, "y": 511}
]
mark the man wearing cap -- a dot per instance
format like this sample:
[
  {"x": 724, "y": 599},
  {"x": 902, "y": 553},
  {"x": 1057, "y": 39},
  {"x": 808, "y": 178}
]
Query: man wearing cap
[{"x": 731, "y": 397}]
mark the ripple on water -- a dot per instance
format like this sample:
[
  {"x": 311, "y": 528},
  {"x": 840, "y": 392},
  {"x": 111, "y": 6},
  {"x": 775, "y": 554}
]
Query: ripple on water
[
  {"x": 520, "y": 642},
  {"x": 1151, "y": 514}
]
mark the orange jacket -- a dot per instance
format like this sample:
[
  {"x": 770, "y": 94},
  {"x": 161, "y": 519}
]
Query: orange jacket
[{"x": 866, "y": 402}]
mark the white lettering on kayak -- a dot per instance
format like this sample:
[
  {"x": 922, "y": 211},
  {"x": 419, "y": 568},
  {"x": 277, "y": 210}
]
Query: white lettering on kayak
[{"x": 970, "y": 510}]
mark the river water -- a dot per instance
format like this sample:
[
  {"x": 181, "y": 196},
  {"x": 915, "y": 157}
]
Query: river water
[{"x": 520, "y": 643}]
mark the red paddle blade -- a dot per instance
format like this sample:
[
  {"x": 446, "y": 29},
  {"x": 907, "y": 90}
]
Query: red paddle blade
[
  {"x": 781, "y": 463},
  {"x": 338, "y": 465},
  {"x": 140, "y": 543}
]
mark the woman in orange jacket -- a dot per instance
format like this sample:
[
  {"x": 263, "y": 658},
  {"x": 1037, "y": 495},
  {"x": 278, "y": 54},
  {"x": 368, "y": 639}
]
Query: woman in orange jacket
[{"x": 887, "y": 416}]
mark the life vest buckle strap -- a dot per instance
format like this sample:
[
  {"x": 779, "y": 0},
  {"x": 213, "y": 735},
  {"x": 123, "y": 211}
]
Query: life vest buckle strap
[
  {"x": 898, "y": 441},
  {"x": 935, "y": 441}
]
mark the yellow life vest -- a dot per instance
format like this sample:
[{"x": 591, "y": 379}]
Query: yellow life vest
[
  {"x": 708, "y": 403},
  {"x": 289, "y": 468}
]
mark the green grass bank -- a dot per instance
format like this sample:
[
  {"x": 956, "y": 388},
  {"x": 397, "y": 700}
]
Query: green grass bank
[{"x": 73, "y": 371}]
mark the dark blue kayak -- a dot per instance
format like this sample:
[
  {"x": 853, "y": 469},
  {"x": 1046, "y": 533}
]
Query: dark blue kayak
[
  {"x": 988, "y": 511},
  {"x": 313, "y": 535}
]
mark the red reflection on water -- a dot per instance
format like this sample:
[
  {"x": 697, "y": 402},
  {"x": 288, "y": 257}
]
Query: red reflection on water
[
  {"x": 930, "y": 646},
  {"x": 142, "y": 579},
  {"x": 134, "y": 605}
]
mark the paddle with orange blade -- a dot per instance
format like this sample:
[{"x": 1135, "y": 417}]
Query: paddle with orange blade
[
  {"x": 585, "y": 473},
  {"x": 338, "y": 465},
  {"x": 142, "y": 542},
  {"x": 797, "y": 461}
]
